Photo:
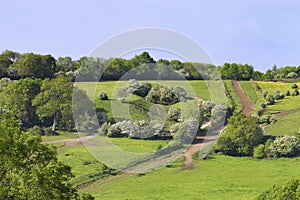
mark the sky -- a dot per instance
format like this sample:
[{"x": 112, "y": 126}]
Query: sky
[{"x": 257, "y": 32}]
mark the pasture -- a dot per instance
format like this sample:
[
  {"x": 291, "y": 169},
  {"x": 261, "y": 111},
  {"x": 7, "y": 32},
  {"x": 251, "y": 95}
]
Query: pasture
[{"x": 220, "y": 178}]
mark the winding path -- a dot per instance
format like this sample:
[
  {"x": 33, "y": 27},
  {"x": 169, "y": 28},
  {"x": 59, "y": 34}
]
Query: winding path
[{"x": 247, "y": 106}]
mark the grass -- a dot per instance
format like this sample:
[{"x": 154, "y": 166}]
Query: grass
[
  {"x": 138, "y": 108},
  {"x": 138, "y": 146},
  {"x": 250, "y": 91},
  {"x": 287, "y": 125},
  {"x": 80, "y": 159},
  {"x": 288, "y": 103},
  {"x": 236, "y": 99},
  {"x": 220, "y": 178},
  {"x": 62, "y": 135}
]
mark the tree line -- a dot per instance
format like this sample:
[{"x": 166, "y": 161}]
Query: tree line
[{"x": 15, "y": 66}]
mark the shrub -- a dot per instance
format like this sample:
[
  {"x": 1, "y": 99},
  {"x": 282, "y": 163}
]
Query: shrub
[
  {"x": 265, "y": 93},
  {"x": 102, "y": 117},
  {"x": 294, "y": 86},
  {"x": 278, "y": 95},
  {"x": 166, "y": 95},
  {"x": 37, "y": 130},
  {"x": 270, "y": 100},
  {"x": 289, "y": 190},
  {"x": 133, "y": 87},
  {"x": 262, "y": 150},
  {"x": 287, "y": 93},
  {"x": 240, "y": 136},
  {"x": 174, "y": 114},
  {"x": 102, "y": 95},
  {"x": 259, "y": 151},
  {"x": 286, "y": 146},
  {"x": 208, "y": 106},
  {"x": 295, "y": 93}
]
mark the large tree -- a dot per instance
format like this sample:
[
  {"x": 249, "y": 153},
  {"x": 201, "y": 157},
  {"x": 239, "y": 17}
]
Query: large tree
[
  {"x": 29, "y": 169},
  {"x": 55, "y": 100},
  {"x": 17, "y": 99}
]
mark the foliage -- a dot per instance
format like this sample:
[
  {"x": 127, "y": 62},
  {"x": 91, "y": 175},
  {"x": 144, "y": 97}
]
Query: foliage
[
  {"x": 286, "y": 146},
  {"x": 295, "y": 92},
  {"x": 174, "y": 114},
  {"x": 54, "y": 100},
  {"x": 128, "y": 128},
  {"x": 166, "y": 95},
  {"x": 133, "y": 87},
  {"x": 36, "y": 66},
  {"x": 294, "y": 86},
  {"x": 240, "y": 136},
  {"x": 289, "y": 190},
  {"x": 18, "y": 98},
  {"x": 102, "y": 95},
  {"x": 28, "y": 168}
]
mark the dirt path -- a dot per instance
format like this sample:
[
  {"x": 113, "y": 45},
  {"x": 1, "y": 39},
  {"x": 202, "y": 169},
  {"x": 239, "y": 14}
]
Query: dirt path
[
  {"x": 199, "y": 143},
  {"x": 247, "y": 106},
  {"x": 71, "y": 141}
]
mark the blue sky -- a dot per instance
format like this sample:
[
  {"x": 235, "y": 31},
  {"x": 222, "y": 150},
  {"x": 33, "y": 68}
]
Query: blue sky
[{"x": 261, "y": 33}]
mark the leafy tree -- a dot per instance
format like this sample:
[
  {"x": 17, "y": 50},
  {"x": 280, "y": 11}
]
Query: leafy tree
[
  {"x": 29, "y": 169},
  {"x": 292, "y": 75},
  {"x": 66, "y": 64},
  {"x": 36, "y": 66},
  {"x": 18, "y": 98},
  {"x": 240, "y": 136},
  {"x": 175, "y": 64},
  {"x": 54, "y": 100}
]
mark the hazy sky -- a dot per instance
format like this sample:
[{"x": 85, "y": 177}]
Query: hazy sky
[{"x": 258, "y": 32}]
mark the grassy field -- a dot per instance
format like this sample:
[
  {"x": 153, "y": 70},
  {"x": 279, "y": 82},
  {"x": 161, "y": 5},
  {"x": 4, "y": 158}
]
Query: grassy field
[
  {"x": 221, "y": 178},
  {"x": 288, "y": 103},
  {"x": 253, "y": 95},
  {"x": 287, "y": 125},
  {"x": 137, "y": 107}
]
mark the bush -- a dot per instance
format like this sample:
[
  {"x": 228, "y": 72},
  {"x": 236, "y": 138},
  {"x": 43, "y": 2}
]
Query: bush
[
  {"x": 208, "y": 106},
  {"x": 37, "y": 130},
  {"x": 265, "y": 94},
  {"x": 278, "y": 95},
  {"x": 166, "y": 95},
  {"x": 292, "y": 75},
  {"x": 133, "y": 87},
  {"x": 263, "y": 105},
  {"x": 294, "y": 86},
  {"x": 240, "y": 137},
  {"x": 259, "y": 151},
  {"x": 262, "y": 150},
  {"x": 295, "y": 93},
  {"x": 270, "y": 100},
  {"x": 289, "y": 190},
  {"x": 287, "y": 93},
  {"x": 286, "y": 146},
  {"x": 102, "y": 95},
  {"x": 174, "y": 114}
]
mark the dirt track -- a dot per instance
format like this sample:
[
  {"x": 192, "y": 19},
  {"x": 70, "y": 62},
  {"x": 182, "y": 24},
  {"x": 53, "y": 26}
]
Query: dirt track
[
  {"x": 247, "y": 106},
  {"x": 71, "y": 141}
]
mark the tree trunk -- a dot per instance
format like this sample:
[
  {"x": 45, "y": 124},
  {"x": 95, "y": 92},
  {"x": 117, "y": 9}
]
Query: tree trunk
[{"x": 54, "y": 122}]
